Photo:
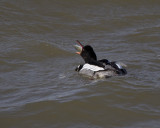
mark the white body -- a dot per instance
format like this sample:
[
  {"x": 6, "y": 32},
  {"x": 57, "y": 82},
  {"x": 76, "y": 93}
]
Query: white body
[{"x": 96, "y": 72}]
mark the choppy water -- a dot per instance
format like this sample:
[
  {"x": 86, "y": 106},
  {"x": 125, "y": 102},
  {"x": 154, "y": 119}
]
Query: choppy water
[{"x": 38, "y": 85}]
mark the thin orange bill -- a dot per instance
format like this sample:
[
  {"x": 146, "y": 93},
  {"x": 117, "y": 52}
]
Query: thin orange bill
[{"x": 78, "y": 53}]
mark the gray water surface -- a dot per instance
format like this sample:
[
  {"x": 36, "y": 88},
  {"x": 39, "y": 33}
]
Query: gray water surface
[{"x": 38, "y": 85}]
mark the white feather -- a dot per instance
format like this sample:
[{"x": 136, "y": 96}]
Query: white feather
[
  {"x": 92, "y": 67},
  {"x": 121, "y": 65}
]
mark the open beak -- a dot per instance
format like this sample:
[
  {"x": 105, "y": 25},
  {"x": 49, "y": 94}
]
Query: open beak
[{"x": 79, "y": 47}]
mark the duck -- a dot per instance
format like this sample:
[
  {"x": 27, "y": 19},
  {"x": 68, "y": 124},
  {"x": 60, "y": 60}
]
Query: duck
[{"x": 94, "y": 68}]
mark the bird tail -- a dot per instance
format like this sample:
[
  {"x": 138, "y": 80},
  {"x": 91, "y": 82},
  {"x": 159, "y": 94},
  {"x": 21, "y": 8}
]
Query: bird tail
[{"x": 121, "y": 65}]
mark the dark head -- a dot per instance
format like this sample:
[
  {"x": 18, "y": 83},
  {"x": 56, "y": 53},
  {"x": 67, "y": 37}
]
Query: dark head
[{"x": 86, "y": 52}]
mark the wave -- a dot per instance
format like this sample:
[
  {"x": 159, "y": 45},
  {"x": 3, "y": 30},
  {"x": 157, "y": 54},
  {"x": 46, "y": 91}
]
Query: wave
[{"x": 33, "y": 51}]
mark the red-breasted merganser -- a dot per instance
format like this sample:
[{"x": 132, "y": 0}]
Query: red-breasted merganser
[{"x": 94, "y": 68}]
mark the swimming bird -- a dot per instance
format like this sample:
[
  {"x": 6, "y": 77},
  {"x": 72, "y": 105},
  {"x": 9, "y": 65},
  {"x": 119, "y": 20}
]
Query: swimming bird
[{"x": 94, "y": 68}]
